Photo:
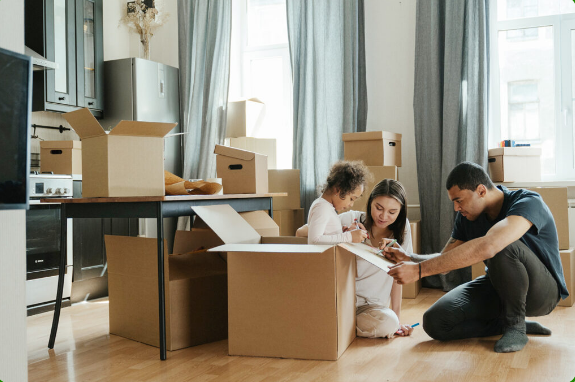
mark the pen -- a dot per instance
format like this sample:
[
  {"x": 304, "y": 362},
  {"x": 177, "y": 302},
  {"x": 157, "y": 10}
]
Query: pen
[
  {"x": 412, "y": 326},
  {"x": 387, "y": 246}
]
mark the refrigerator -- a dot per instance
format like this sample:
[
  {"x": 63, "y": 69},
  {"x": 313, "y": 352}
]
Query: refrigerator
[{"x": 136, "y": 89}]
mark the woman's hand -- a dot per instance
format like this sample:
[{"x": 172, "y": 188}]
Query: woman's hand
[
  {"x": 404, "y": 330},
  {"x": 394, "y": 253},
  {"x": 358, "y": 236}
]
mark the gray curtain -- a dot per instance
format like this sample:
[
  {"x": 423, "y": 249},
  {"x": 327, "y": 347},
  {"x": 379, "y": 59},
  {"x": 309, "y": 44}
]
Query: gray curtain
[
  {"x": 329, "y": 91},
  {"x": 450, "y": 110}
]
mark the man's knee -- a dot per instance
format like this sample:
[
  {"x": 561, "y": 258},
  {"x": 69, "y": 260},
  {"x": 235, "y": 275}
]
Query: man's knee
[
  {"x": 434, "y": 323},
  {"x": 507, "y": 254}
]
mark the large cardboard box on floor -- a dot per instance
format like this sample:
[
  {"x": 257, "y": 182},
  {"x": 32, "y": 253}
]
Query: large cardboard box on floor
[
  {"x": 244, "y": 117},
  {"x": 61, "y": 157},
  {"x": 286, "y": 300},
  {"x": 242, "y": 172},
  {"x": 374, "y": 148},
  {"x": 196, "y": 291},
  {"x": 515, "y": 164},
  {"x": 127, "y": 161},
  {"x": 556, "y": 200},
  {"x": 264, "y": 146},
  {"x": 568, "y": 263},
  {"x": 289, "y": 221},
  {"x": 379, "y": 173},
  {"x": 285, "y": 181},
  {"x": 477, "y": 270},
  {"x": 412, "y": 290}
]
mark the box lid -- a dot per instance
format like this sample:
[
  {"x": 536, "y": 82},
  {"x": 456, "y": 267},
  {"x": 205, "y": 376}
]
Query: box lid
[
  {"x": 233, "y": 152},
  {"x": 272, "y": 248},
  {"x": 189, "y": 241},
  {"x": 87, "y": 126},
  {"x": 368, "y": 254},
  {"x": 261, "y": 222},
  {"x": 515, "y": 151},
  {"x": 227, "y": 224},
  {"x": 371, "y": 135},
  {"x": 60, "y": 144}
]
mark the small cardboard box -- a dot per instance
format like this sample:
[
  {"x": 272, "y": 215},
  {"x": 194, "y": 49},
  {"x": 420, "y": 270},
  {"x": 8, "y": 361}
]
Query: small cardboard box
[
  {"x": 412, "y": 290},
  {"x": 196, "y": 291},
  {"x": 568, "y": 263},
  {"x": 244, "y": 117},
  {"x": 556, "y": 200},
  {"x": 127, "y": 161},
  {"x": 289, "y": 221},
  {"x": 262, "y": 223},
  {"x": 286, "y": 300},
  {"x": 242, "y": 172},
  {"x": 515, "y": 164},
  {"x": 264, "y": 146},
  {"x": 61, "y": 157},
  {"x": 379, "y": 173},
  {"x": 374, "y": 148},
  {"x": 285, "y": 181}
]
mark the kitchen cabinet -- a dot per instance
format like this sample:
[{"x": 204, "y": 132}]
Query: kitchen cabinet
[{"x": 68, "y": 32}]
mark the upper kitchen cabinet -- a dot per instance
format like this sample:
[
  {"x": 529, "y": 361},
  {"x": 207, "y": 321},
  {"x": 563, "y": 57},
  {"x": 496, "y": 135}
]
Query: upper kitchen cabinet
[{"x": 68, "y": 32}]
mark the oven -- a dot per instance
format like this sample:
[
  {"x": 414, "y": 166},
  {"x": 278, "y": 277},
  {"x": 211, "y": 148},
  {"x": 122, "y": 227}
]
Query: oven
[{"x": 43, "y": 242}]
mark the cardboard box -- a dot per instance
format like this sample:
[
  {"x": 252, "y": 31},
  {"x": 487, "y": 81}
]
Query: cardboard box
[
  {"x": 264, "y": 146},
  {"x": 289, "y": 221},
  {"x": 379, "y": 173},
  {"x": 242, "y": 172},
  {"x": 261, "y": 222},
  {"x": 244, "y": 118},
  {"x": 515, "y": 164},
  {"x": 61, "y": 157},
  {"x": 196, "y": 291},
  {"x": 568, "y": 263},
  {"x": 127, "y": 161},
  {"x": 477, "y": 270},
  {"x": 374, "y": 148},
  {"x": 285, "y": 181},
  {"x": 286, "y": 300},
  {"x": 412, "y": 290},
  {"x": 556, "y": 200}
]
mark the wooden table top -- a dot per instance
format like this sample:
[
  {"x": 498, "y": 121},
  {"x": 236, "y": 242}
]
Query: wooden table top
[{"x": 170, "y": 198}]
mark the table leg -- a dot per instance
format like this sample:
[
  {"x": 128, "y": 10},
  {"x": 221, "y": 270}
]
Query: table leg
[
  {"x": 161, "y": 285},
  {"x": 61, "y": 271}
]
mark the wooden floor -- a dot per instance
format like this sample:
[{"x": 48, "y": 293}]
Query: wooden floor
[{"x": 85, "y": 351}]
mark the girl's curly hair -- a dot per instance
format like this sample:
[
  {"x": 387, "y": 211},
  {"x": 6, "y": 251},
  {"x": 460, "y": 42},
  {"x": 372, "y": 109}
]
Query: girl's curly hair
[{"x": 346, "y": 176}]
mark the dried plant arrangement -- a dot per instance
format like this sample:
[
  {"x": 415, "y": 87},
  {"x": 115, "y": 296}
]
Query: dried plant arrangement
[{"x": 143, "y": 17}]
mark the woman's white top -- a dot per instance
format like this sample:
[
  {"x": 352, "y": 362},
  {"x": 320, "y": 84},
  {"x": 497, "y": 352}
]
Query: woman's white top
[
  {"x": 373, "y": 285},
  {"x": 324, "y": 225}
]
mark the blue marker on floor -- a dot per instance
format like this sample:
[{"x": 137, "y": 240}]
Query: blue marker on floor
[{"x": 414, "y": 325}]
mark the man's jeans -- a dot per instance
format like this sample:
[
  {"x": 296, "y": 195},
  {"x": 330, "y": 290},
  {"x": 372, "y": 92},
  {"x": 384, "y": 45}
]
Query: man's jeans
[{"x": 517, "y": 285}]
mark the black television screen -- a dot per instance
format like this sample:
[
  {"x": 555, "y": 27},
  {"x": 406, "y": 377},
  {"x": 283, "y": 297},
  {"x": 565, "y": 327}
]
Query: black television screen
[{"x": 15, "y": 112}]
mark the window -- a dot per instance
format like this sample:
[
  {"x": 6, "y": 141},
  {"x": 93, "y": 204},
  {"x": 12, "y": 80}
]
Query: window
[
  {"x": 532, "y": 56},
  {"x": 260, "y": 67}
]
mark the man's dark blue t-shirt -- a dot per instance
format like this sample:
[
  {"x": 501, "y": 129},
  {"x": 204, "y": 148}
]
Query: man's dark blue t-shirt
[{"x": 541, "y": 238}]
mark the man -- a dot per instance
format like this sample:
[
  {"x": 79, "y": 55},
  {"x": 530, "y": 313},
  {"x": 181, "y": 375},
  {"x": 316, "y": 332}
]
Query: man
[{"x": 514, "y": 234}]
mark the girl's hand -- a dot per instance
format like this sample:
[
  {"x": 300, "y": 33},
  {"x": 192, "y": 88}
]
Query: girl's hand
[
  {"x": 404, "y": 330},
  {"x": 395, "y": 253},
  {"x": 358, "y": 236}
]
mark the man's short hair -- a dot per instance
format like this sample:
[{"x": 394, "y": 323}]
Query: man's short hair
[{"x": 467, "y": 176}]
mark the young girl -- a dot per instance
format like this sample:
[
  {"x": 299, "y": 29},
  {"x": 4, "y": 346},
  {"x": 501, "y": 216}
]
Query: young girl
[
  {"x": 378, "y": 296},
  {"x": 345, "y": 183}
]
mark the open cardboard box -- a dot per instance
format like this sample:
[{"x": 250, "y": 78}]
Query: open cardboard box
[{"x": 286, "y": 300}]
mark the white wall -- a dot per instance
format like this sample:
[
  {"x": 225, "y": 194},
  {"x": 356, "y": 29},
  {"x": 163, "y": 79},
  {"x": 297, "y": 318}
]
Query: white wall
[
  {"x": 13, "y": 349},
  {"x": 121, "y": 42},
  {"x": 390, "y": 53}
]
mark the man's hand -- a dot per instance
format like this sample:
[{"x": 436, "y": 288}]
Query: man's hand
[
  {"x": 405, "y": 272},
  {"x": 394, "y": 253}
]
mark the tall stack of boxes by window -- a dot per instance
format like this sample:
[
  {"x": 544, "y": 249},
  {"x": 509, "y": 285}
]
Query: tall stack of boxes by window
[
  {"x": 523, "y": 164},
  {"x": 381, "y": 153},
  {"x": 288, "y": 213}
]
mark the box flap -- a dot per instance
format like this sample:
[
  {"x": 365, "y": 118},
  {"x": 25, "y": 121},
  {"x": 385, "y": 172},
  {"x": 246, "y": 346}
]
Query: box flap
[
  {"x": 60, "y": 144},
  {"x": 284, "y": 240},
  {"x": 272, "y": 248},
  {"x": 84, "y": 123},
  {"x": 261, "y": 222},
  {"x": 195, "y": 265},
  {"x": 188, "y": 241},
  {"x": 368, "y": 254},
  {"x": 142, "y": 129},
  {"x": 232, "y": 152},
  {"x": 515, "y": 151},
  {"x": 371, "y": 135},
  {"x": 227, "y": 224}
]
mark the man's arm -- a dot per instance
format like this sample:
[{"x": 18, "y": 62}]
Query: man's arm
[{"x": 451, "y": 244}]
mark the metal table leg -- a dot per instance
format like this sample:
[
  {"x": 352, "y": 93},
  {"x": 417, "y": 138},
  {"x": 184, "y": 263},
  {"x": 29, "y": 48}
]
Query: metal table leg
[
  {"x": 61, "y": 271},
  {"x": 161, "y": 285}
]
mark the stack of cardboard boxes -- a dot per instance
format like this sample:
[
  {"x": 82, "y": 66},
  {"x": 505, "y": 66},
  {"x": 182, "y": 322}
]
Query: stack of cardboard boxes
[
  {"x": 287, "y": 212},
  {"x": 556, "y": 200}
]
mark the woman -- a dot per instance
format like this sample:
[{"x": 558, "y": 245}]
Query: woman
[{"x": 378, "y": 296}]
